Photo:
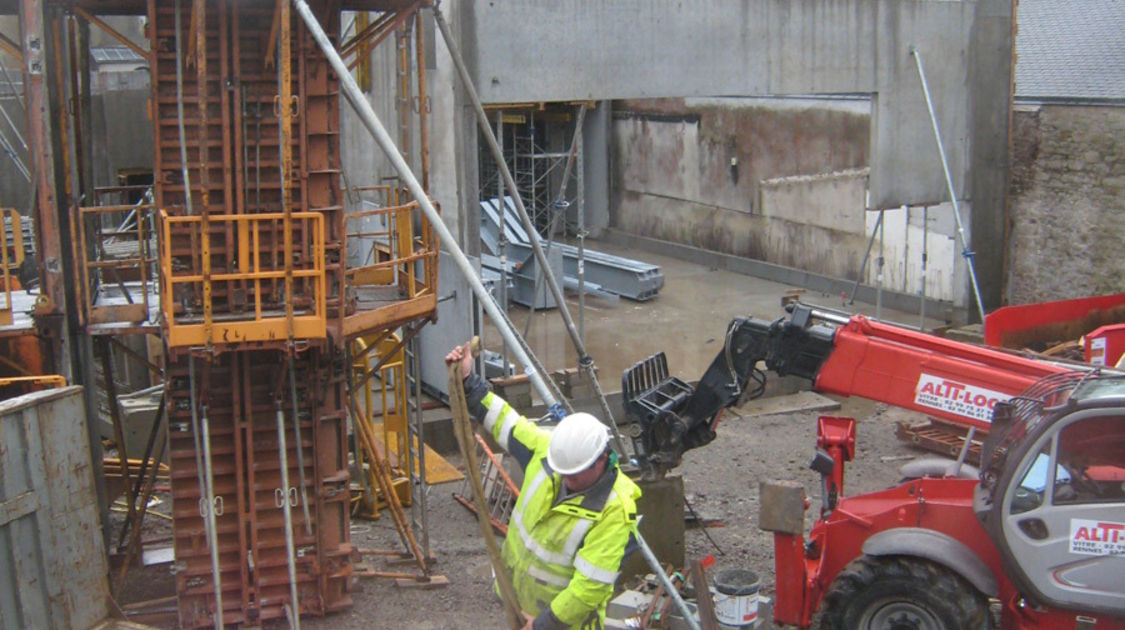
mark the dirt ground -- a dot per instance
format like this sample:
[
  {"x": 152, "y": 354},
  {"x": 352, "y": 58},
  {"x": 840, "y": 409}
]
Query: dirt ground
[{"x": 721, "y": 483}]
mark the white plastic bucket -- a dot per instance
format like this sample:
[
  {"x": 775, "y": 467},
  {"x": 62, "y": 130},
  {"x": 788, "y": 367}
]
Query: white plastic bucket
[{"x": 736, "y": 598}]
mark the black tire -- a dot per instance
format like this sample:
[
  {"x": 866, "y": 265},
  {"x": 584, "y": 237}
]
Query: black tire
[{"x": 900, "y": 593}]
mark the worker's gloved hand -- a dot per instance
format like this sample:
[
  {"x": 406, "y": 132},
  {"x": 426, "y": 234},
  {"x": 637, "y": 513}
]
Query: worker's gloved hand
[{"x": 462, "y": 354}]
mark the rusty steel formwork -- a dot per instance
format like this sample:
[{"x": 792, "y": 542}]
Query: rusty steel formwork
[
  {"x": 238, "y": 396},
  {"x": 259, "y": 468},
  {"x": 237, "y": 261},
  {"x": 261, "y": 140},
  {"x": 258, "y": 306}
]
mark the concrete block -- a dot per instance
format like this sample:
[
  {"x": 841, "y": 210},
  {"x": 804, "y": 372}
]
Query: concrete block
[
  {"x": 137, "y": 416},
  {"x": 973, "y": 333},
  {"x": 573, "y": 383},
  {"x": 782, "y": 507},
  {"x": 662, "y": 508},
  {"x": 514, "y": 389}
]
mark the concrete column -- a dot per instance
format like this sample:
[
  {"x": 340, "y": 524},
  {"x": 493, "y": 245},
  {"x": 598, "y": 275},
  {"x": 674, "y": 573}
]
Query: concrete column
[
  {"x": 595, "y": 158},
  {"x": 453, "y": 137},
  {"x": 991, "y": 58}
]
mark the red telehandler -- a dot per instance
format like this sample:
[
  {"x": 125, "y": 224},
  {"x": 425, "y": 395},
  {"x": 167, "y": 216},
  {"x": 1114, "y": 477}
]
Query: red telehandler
[{"x": 1034, "y": 539}]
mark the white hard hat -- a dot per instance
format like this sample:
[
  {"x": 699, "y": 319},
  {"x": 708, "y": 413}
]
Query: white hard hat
[{"x": 576, "y": 443}]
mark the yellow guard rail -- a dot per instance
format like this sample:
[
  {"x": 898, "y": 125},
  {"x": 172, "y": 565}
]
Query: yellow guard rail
[{"x": 194, "y": 286}]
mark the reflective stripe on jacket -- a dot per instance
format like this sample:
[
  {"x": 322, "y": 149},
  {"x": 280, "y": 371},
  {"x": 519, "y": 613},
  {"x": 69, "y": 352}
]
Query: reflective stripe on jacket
[{"x": 564, "y": 556}]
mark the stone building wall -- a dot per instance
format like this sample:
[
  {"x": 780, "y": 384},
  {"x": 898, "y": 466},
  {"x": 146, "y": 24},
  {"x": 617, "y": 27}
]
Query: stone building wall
[{"x": 1067, "y": 203}]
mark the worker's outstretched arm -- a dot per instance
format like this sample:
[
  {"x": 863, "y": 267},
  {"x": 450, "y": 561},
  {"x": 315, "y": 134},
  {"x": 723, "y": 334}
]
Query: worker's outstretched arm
[
  {"x": 512, "y": 431},
  {"x": 596, "y": 567}
]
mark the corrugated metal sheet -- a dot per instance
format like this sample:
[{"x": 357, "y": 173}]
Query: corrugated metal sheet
[{"x": 52, "y": 560}]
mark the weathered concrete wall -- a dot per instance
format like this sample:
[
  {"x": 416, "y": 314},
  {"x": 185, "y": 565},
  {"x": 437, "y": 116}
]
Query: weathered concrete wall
[
  {"x": 780, "y": 181},
  {"x": 120, "y": 129},
  {"x": 716, "y": 151},
  {"x": 718, "y": 174},
  {"x": 1067, "y": 212}
]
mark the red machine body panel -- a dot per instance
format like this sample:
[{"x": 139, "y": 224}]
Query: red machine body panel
[
  {"x": 1105, "y": 346},
  {"x": 947, "y": 379},
  {"x": 1018, "y": 326}
]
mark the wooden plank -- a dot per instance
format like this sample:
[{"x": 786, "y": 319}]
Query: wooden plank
[{"x": 707, "y": 620}]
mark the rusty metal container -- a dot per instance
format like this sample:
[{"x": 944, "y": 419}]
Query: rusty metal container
[{"x": 52, "y": 560}]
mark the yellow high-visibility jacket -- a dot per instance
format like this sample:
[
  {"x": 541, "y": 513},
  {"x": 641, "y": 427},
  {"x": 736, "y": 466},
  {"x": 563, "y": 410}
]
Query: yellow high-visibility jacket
[{"x": 564, "y": 551}]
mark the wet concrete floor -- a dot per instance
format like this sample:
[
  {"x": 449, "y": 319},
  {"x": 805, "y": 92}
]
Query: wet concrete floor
[{"x": 687, "y": 320}]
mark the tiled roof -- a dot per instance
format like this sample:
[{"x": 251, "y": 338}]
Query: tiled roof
[{"x": 1070, "y": 49}]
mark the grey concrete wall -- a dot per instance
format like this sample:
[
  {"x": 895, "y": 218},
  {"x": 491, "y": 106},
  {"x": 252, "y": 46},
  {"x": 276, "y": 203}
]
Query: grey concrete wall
[
  {"x": 364, "y": 164},
  {"x": 120, "y": 125},
  {"x": 452, "y": 131},
  {"x": 991, "y": 51},
  {"x": 573, "y": 49},
  {"x": 14, "y": 189},
  {"x": 1067, "y": 213}
]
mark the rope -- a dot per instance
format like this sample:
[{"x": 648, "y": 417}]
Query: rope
[{"x": 464, "y": 431}]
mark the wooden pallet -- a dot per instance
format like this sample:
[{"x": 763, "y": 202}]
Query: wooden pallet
[{"x": 941, "y": 437}]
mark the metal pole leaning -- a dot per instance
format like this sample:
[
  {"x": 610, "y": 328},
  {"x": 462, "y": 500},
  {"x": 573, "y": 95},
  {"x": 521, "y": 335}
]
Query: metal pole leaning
[
  {"x": 559, "y": 203},
  {"x": 966, "y": 253},
  {"x": 370, "y": 120},
  {"x": 585, "y": 361},
  {"x": 866, "y": 257},
  {"x": 207, "y": 497},
  {"x": 209, "y": 485},
  {"x": 670, "y": 588}
]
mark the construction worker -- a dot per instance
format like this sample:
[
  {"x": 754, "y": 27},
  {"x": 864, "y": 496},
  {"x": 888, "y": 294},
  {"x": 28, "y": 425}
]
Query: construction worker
[{"x": 573, "y": 523}]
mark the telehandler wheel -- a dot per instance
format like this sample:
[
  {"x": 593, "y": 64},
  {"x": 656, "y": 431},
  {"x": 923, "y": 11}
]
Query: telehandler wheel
[{"x": 900, "y": 593}]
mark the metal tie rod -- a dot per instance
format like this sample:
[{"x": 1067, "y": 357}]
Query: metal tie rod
[
  {"x": 211, "y": 506},
  {"x": 297, "y": 439},
  {"x": 370, "y": 120},
  {"x": 966, "y": 253},
  {"x": 585, "y": 361},
  {"x": 207, "y": 500},
  {"x": 293, "y": 609}
]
